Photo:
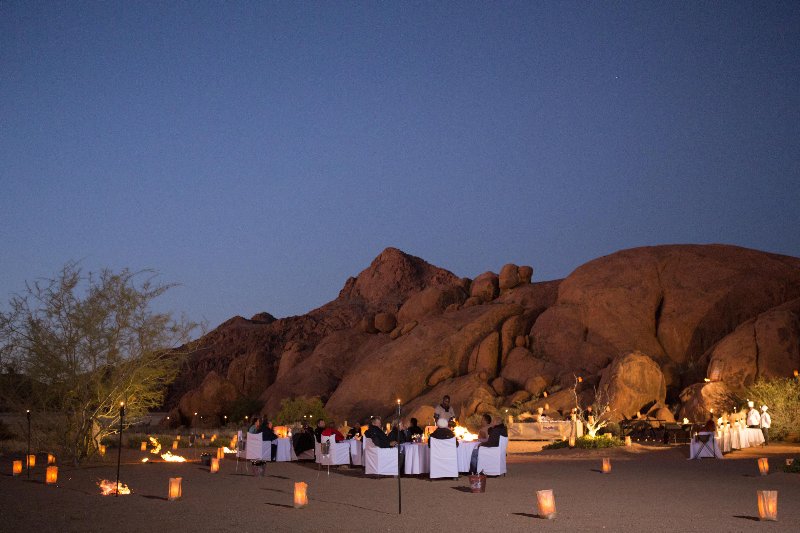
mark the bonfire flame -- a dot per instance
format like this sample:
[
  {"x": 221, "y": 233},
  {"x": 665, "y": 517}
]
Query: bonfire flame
[
  {"x": 225, "y": 449},
  {"x": 463, "y": 433},
  {"x": 169, "y": 457},
  {"x": 156, "y": 446},
  {"x": 107, "y": 487},
  {"x": 145, "y": 460}
]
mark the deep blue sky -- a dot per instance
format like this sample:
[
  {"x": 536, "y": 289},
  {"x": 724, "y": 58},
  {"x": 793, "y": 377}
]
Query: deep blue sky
[{"x": 261, "y": 153}]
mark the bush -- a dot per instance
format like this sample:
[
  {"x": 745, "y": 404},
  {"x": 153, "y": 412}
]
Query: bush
[
  {"x": 587, "y": 443},
  {"x": 299, "y": 409},
  {"x": 783, "y": 398},
  {"x": 244, "y": 407},
  {"x": 5, "y": 431}
]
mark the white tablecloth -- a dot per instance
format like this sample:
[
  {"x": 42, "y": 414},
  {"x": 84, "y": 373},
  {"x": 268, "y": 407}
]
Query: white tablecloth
[
  {"x": 418, "y": 458},
  {"x": 465, "y": 454},
  {"x": 698, "y": 450},
  {"x": 285, "y": 450},
  {"x": 356, "y": 451},
  {"x": 550, "y": 430},
  {"x": 733, "y": 438}
]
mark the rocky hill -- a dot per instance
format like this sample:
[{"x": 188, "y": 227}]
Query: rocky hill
[{"x": 644, "y": 326}]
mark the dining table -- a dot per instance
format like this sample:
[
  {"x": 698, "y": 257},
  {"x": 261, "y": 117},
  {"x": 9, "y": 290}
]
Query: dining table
[{"x": 418, "y": 456}]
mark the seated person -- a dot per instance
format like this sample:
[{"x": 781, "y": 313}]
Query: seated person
[
  {"x": 268, "y": 434},
  {"x": 255, "y": 427},
  {"x": 710, "y": 425},
  {"x": 495, "y": 432},
  {"x": 414, "y": 429},
  {"x": 328, "y": 431},
  {"x": 354, "y": 432},
  {"x": 442, "y": 431},
  {"x": 398, "y": 434},
  {"x": 378, "y": 437},
  {"x": 320, "y": 428},
  {"x": 483, "y": 431},
  {"x": 303, "y": 441}
]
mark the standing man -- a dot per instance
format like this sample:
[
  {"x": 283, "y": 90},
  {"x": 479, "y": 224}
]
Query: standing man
[
  {"x": 753, "y": 418},
  {"x": 444, "y": 410},
  {"x": 766, "y": 422}
]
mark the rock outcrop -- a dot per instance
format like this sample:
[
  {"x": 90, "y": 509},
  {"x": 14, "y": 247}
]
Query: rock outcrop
[{"x": 630, "y": 383}]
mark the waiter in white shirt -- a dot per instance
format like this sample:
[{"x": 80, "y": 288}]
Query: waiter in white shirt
[
  {"x": 444, "y": 410},
  {"x": 766, "y": 422},
  {"x": 753, "y": 418}
]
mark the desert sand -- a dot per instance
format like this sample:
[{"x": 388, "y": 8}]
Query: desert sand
[{"x": 649, "y": 489}]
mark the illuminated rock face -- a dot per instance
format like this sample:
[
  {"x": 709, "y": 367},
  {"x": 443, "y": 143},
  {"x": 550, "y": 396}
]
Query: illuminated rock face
[{"x": 405, "y": 328}]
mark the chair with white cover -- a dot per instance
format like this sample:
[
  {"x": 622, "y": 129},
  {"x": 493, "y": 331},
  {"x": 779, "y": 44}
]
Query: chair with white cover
[
  {"x": 444, "y": 458},
  {"x": 704, "y": 445},
  {"x": 492, "y": 461},
  {"x": 356, "y": 452},
  {"x": 338, "y": 454},
  {"x": 380, "y": 461},
  {"x": 257, "y": 449}
]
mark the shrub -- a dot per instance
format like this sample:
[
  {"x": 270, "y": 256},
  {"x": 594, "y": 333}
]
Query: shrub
[
  {"x": 783, "y": 398},
  {"x": 586, "y": 442},
  {"x": 298, "y": 409}
]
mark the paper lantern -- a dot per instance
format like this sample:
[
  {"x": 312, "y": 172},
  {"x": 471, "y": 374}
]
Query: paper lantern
[
  {"x": 102, "y": 450},
  {"x": 628, "y": 441},
  {"x": 572, "y": 440},
  {"x": 606, "y": 465},
  {"x": 215, "y": 464},
  {"x": 17, "y": 468},
  {"x": 175, "y": 490},
  {"x": 31, "y": 461},
  {"x": 547, "y": 504},
  {"x": 51, "y": 459},
  {"x": 789, "y": 462},
  {"x": 51, "y": 475},
  {"x": 143, "y": 447},
  {"x": 763, "y": 466},
  {"x": 175, "y": 445},
  {"x": 203, "y": 436},
  {"x": 220, "y": 453},
  {"x": 767, "y": 504},
  {"x": 178, "y": 437},
  {"x": 300, "y": 495}
]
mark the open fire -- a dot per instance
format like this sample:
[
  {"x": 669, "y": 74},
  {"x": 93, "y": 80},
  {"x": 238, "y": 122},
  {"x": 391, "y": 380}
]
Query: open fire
[
  {"x": 225, "y": 449},
  {"x": 169, "y": 457},
  {"x": 463, "y": 433},
  {"x": 156, "y": 445},
  {"x": 107, "y": 487}
]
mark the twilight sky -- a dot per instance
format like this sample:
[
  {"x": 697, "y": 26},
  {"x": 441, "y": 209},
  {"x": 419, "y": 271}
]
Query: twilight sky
[{"x": 260, "y": 153}]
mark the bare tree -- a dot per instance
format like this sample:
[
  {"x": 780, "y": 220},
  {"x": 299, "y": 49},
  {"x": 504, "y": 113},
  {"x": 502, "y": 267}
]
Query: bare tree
[
  {"x": 600, "y": 414},
  {"x": 85, "y": 343}
]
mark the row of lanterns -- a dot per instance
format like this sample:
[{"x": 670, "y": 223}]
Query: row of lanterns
[{"x": 51, "y": 473}]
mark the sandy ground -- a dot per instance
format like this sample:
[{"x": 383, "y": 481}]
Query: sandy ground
[{"x": 649, "y": 489}]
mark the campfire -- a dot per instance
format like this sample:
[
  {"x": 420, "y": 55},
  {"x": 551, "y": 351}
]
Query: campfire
[
  {"x": 170, "y": 458},
  {"x": 156, "y": 446},
  {"x": 107, "y": 487},
  {"x": 225, "y": 449},
  {"x": 463, "y": 433}
]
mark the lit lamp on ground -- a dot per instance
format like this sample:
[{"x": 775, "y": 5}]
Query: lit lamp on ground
[
  {"x": 628, "y": 441},
  {"x": 31, "y": 461},
  {"x": 16, "y": 468},
  {"x": 606, "y": 465},
  {"x": 547, "y": 504},
  {"x": 175, "y": 490},
  {"x": 143, "y": 447},
  {"x": 215, "y": 464},
  {"x": 51, "y": 459},
  {"x": 220, "y": 453},
  {"x": 767, "y": 505},
  {"x": 571, "y": 440},
  {"x": 763, "y": 466},
  {"x": 102, "y": 450},
  {"x": 175, "y": 445},
  {"x": 51, "y": 475},
  {"x": 300, "y": 495}
]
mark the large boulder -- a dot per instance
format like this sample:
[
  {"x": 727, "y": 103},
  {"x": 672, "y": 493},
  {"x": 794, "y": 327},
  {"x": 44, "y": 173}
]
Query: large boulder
[
  {"x": 385, "y": 322},
  {"x": 767, "y": 346},
  {"x": 433, "y": 300},
  {"x": 699, "y": 399},
  {"x": 212, "y": 398},
  {"x": 485, "y": 287},
  {"x": 521, "y": 366},
  {"x": 671, "y": 302},
  {"x": 525, "y": 274},
  {"x": 631, "y": 382},
  {"x": 509, "y": 277}
]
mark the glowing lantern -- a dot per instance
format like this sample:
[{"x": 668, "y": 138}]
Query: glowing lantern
[
  {"x": 572, "y": 440},
  {"x": 763, "y": 466},
  {"x": 547, "y": 407},
  {"x": 175, "y": 488},
  {"x": 220, "y": 453},
  {"x": 767, "y": 504},
  {"x": 143, "y": 447},
  {"x": 51, "y": 459},
  {"x": 547, "y": 504},
  {"x": 178, "y": 437},
  {"x": 796, "y": 373},
  {"x": 606, "y": 465},
  {"x": 789, "y": 462},
  {"x": 17, "y": 468},
  {"x": 215, "y": 464},
  {"x": 203, "y": 436},
  {"x": 175, "y": 445},
  {"x": 580, "y": 379},
  {"x": 31, "y": 461},
  {"x": 102, "y": 450},
  {"x": 544, "y": 394},
  {"x": 300, "y": 495},
  {"x": 628, "y": 441},
  {"x": 51, "y": 475}
]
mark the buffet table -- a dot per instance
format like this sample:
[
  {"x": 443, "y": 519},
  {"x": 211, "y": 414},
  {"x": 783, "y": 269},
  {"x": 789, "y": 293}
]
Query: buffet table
[
  {"x": 735, "y": 438},
  {"x": 549, "y": 430}
]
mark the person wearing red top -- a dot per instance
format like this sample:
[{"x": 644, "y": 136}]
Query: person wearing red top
[{"x": 327, "y": 432}]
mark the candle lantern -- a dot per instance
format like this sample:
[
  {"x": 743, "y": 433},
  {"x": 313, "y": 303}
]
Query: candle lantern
[
  {"x": 51, "y": 475},
  {"x": 203, "y": 436},
  {"x": 175, "y": 445},
  {"x": 606, "y": 465},
  {"x": 767, "y": 504},
  {"x": 547, "y": 504},
  {"x": 31, "y": 461},
  {"x": 143, "y": 447},
  {"x": 763, "y": 466},
  {"x": 572, "y": 440},
  {"x": 16, "y": 468},
  {"x": 177, "y": 437},
  {"x": 102, "y": 450},
  {"x": 300, "y": 495},
  {"x": 175, "y": 490},
  {"x": 628, "y": 441},
  {"x": 51, "y": 459},
  {"x": 220, "y": 453},
  {"x": 214, "y": 465}
]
